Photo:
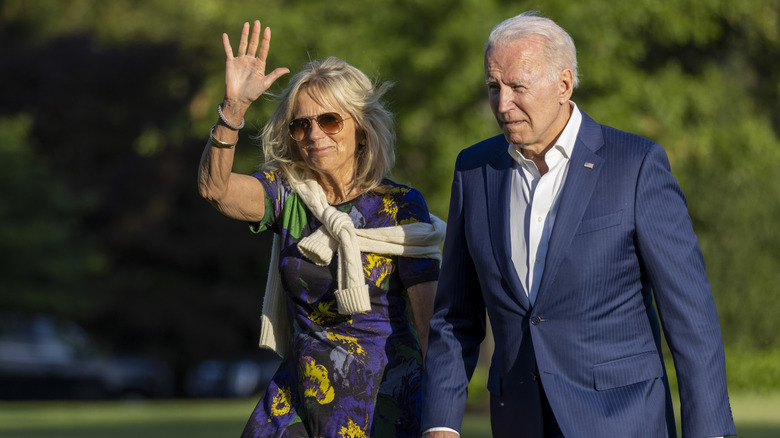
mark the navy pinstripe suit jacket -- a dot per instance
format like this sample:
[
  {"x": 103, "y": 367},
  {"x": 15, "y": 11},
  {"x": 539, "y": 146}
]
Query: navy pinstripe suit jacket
[{"x": 622, "y": 236}]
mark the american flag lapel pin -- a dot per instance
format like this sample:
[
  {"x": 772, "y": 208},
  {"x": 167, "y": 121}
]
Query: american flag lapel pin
[{"x": 589, "y": 165}]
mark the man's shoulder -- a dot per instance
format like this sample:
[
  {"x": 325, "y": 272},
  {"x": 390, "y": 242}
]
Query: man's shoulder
[
  {"x": 497, "y": 142},
  {"x": 484, "y": 151},
  {"x": 607, "y": 140},
  {"x": 612, "y": 135}
]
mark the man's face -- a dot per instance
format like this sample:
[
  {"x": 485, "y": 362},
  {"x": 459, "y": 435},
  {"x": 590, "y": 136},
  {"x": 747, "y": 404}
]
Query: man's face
[{"x": 531, "y": 108}]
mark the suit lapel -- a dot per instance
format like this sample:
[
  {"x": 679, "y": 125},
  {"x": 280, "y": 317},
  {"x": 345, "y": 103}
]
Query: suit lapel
[
  {"x": 498, "y": 182},
  {"x": 584, "y": 170}
]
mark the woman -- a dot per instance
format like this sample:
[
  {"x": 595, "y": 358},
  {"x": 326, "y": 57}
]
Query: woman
[{"x": 351, "y": 249}]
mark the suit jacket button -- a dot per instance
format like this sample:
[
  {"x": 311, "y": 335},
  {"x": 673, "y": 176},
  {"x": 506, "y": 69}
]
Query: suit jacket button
[{"x": 536, "y": 320}]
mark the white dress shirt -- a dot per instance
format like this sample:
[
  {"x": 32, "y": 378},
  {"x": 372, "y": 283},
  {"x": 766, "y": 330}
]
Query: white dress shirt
[
  {"x": 534, "y": 204},
  {"x": 531, "y": 208}
]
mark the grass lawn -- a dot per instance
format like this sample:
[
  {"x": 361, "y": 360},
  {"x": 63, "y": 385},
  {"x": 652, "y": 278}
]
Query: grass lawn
[{"x": 757, "y": 416}]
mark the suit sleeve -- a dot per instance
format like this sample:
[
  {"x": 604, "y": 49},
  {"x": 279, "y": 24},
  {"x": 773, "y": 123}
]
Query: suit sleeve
[
  {"x": 674, "y": 264},
  {"x": 458, "y": 323}
]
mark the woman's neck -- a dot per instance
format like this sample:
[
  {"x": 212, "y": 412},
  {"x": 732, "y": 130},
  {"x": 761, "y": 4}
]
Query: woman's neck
[{"x": 338, "y": 192}]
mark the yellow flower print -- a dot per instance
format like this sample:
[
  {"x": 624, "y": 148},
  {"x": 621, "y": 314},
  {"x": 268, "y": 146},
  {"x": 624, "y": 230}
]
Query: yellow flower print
[
  {"x": 389, "y": 206},
  {"x": 316, "y": 383},
  {"x": 323, "y": 312},
  {"x": 281, "y": 402},
  {"x": 352, "y": 430},
  {"x": 377, "y": 267},
  {"x": 349, "y": 343},
  {"x": 270, "y": 176}
]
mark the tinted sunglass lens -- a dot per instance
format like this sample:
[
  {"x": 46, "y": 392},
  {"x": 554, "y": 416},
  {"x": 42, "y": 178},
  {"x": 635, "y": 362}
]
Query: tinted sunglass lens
[
  {"x": 330, "y": 122},
  {"x": 298, "y": 129}
]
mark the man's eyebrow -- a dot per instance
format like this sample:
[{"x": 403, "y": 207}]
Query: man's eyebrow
[{"x": 492, "y": 81}]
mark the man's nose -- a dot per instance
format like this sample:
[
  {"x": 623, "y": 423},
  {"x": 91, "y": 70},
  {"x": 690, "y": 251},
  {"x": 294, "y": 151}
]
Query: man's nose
[{"x": 505, "y": 102}]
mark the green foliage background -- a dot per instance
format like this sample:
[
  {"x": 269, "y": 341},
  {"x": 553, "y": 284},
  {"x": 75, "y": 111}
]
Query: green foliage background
[{"x": 106, "y": 106}]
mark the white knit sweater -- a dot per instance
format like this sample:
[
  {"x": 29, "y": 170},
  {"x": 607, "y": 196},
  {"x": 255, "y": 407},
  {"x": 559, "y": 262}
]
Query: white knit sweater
[{"x": 338, "y": 234}]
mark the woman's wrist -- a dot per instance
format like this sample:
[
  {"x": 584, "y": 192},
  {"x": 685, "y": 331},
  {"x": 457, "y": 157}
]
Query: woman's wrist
[
  {"x": 234, "y": 110},
  {"x": 229, "y": 121},
  {"x": 219, "y": 143}
]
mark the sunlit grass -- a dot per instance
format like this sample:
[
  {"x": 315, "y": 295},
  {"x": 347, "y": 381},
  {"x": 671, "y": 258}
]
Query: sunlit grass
[
  {"x": 169, "y": 419},
  {"x": 757, "y": 416}
]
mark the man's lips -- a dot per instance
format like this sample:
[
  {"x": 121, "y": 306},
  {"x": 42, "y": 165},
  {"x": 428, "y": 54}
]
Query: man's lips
[{"x": 511, "y": 123}]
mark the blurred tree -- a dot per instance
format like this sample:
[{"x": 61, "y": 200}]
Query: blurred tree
[
  {"x": 113, "y": 100},
  {"x": 43, "y": 260},
  {"x": 109, "y": 126}
]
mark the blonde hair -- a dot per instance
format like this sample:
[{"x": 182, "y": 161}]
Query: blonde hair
[{"x": 337, "y": 83}]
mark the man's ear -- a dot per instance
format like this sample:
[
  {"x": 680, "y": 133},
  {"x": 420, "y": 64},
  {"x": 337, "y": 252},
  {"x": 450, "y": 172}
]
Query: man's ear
[{"x": 566, "y": 85}]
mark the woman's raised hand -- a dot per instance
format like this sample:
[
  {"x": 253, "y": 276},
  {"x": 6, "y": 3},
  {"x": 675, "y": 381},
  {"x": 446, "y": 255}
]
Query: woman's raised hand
[{"x": 245, "y": 77}]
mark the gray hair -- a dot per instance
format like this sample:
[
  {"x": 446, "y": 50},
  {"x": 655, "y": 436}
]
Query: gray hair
[
  {"x": 558, "y": 45},
  {"x": 337, "y": 83}
]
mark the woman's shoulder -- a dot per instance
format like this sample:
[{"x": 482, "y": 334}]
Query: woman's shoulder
[
  {"x": 404, "y": 203},
  {"x": 399, "y": 193},
  {"x": 274, "y": 182},
  {"x": 269, "y": 174}
]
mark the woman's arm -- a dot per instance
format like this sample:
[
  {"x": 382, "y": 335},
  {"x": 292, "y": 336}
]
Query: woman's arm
[
  {"x": 421, "y": 297},
  {"x": 237, "y": 196},
  {"x": 234, "y": 195}
]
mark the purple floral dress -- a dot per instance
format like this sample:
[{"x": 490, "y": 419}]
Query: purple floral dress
[{"x": 347, "y": 375}]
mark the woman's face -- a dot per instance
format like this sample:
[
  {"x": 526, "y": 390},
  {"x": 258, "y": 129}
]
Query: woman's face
[{"x": 331, "y": 155}]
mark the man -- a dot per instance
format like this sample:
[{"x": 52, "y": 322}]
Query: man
[{"x": 565, "y": 230}]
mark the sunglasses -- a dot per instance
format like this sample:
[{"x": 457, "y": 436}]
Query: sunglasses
[{"x": 330, "y": 123}]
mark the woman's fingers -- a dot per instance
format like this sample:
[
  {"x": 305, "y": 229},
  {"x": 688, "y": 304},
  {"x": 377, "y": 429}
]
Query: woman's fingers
[
  {"x": 248, "y": 46},
  {"x": 255, "y": 38},
  {"x": 226, "y": 45},
  {"x": 265, "y": 45},
  {"x": 242, "y": 45},
  {"x": 276, "y": 74}
]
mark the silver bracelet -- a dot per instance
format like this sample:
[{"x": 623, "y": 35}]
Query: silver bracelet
[
  {"x": 226, "y": 122},
  {"x": 220, "y": 144}
]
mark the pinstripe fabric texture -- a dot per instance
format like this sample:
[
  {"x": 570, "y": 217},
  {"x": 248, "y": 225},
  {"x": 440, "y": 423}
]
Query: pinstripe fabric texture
[{"x": 622, "y": 238}]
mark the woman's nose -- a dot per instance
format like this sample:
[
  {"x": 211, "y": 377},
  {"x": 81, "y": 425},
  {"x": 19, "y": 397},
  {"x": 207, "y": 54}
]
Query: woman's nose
[{"x": 315, "y": 132}]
